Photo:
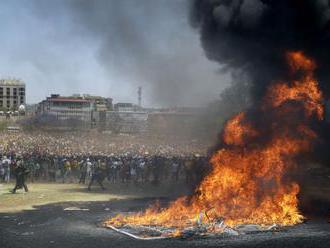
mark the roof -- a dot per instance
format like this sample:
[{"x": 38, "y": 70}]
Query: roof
[
  {"x": 124, "y": 104},
  {"x": 62, "y": 99},
  {"x": 12, "y": 82},
  {"x": 172, "y": 113}
]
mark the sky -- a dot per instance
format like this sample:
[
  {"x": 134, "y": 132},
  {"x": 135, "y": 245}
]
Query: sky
[{"x": 107, "y": 48}]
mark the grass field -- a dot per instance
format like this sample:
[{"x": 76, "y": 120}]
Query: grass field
[
  {"x": 40, "y": 194},
  {"x": 45, "y": 193}
]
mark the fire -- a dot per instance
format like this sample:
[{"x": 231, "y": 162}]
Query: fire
[
  {"x": 249, "y": 181},
  {"x": 305, "y": 90},
  {"x": 236, "y": 130}
]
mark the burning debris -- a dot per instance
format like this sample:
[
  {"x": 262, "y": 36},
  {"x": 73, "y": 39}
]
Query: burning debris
[
  {"x": 215, "y": 229},
  {"x": 250, "y": 183}
]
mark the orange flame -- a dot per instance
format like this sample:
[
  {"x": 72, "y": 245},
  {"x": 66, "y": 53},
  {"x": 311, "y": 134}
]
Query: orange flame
[
  {"x": 236, "y": 130},
  {"x": 305, "y": 90},
  {"x": 248, "y": 182}
]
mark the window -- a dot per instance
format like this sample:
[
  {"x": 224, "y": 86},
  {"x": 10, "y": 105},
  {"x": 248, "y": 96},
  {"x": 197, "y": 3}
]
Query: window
[{"x": 8, "y": 91}]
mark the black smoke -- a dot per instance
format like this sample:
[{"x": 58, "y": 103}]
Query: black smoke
[{"x": 253, "y": 35}]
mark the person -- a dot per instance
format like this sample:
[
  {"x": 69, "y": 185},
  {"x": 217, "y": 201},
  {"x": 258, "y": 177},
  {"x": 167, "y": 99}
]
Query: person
[
  {"x": 98, "y": 175},
  {"x": 89, "y": 167},
  {"x": 67, "y": 171},
  {"x": 188, "y": 167},
  {"x": 36, "y": 170},
  {"x": 157, "y": 164},
  {"x": 113, "y": 170},
  {"x": 175, "y": 169},
  {"x": 20, "y": 173},
  {"x": 51, "y": 170},
  {"x": 83, "y": 172},
  {"x": 6, "y": 166},
  {"x": 75, "y": 168},
  {"x": 140, "y": 169},
  {"x": 124, "y": 171},
  {"x": 2, "y": 172},
  {"x": 133, "y": 174}
]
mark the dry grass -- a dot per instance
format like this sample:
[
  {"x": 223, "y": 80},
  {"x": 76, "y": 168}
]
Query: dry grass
[
  {"x": 42, "y": 193},
  {"x": 45, "y": 193}
]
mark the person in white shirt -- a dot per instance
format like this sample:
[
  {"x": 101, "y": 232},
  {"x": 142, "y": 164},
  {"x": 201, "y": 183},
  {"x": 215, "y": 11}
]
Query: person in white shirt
[
  {"x": 6, "y": 166},
  {"x": 89, "y": 166}
]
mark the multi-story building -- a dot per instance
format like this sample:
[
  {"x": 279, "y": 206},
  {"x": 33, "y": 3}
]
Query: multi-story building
[
  {"x": 87, "y": 111},
  {"x": 100, "y": 103},
  {"x": 126, "y": 107},
  {"x": 57, "y": 110},
  {"x": 76, "y": 110},
  {"x": 12, "y": 94}
]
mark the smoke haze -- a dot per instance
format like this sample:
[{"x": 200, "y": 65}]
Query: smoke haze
[
  {"x": 151, "y": 43},
  {"x": 108, "y": 47}
]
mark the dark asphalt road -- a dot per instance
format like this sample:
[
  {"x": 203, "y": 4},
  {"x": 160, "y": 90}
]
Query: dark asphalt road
[{"x": 51, "y": 226}]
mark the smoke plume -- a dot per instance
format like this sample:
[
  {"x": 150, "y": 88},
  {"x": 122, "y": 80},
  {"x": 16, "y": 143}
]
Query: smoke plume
[
  {"x": 151, "y": 44},
  {"x": 253, "y": 35}
]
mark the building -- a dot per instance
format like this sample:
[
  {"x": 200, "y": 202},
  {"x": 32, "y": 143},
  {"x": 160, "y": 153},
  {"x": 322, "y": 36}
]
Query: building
[
  {"x": 172, "y": 122},
  {"x": 122, "y": 121},
  {"x": 72, "y": 111},
  {"x": 87, "y": 111},
  {"x": 65, "y": 111},
  {"x": 100, "y": 103},
  {"x": 12, "y": 94},
  {"x": 126, "y": 107}
]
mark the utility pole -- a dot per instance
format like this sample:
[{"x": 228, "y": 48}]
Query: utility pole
[{"x": 140, "y": 96}]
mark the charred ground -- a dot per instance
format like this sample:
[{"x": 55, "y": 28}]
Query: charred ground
[{"x": 51, "y": 226}]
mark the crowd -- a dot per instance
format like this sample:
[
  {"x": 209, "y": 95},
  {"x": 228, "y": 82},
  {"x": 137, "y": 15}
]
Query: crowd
[
  {"x": 117, "y": 169},
  {"x": 96, "y": 144},
  {"x": 88, "y": 159}
]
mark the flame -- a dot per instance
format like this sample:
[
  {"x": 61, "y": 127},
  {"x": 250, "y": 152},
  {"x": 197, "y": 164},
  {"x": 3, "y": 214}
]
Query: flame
[
  {"x": 236, "y": 130},
  {"x": 249, "y": 181}
]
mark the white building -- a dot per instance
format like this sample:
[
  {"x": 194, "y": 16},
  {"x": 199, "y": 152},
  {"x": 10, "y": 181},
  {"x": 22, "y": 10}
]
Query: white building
[
  {"x": 12, "y": 94},
  {"x": 65, "y": 110}
]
